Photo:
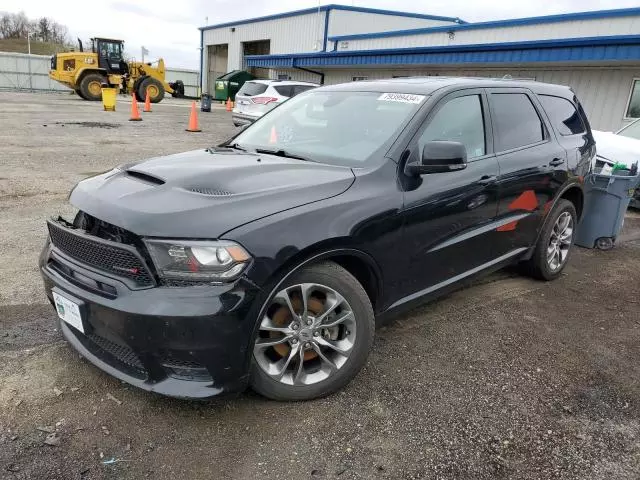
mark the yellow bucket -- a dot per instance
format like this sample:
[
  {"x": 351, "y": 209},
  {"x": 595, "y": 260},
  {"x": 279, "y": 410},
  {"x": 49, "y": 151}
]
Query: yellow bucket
[{"x": 109, "y": 99}]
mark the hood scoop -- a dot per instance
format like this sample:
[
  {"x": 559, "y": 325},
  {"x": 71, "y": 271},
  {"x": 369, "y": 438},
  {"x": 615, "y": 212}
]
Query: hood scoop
[
  {"x": 145, "y": 177},
  {"x": 213, "y": 192}
]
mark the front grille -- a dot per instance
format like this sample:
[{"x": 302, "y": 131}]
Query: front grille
[
  {"x": 185, "y": 369},
  {"x": 119, "y": 260},
  {"x": 121, "y": 353},
  {"x": 118, "y": 356}
]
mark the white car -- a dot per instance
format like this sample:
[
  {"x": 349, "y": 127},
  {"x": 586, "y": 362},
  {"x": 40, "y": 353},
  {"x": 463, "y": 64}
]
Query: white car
[
  {"x": 257, "y": 97},
  {"x": 622, "y": 146}
]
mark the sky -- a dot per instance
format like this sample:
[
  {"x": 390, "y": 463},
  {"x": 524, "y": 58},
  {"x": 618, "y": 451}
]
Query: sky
[{"x": 172, "y": 32}]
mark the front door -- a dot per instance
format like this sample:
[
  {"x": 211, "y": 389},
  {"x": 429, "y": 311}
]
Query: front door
[
  {"x": 448, "y": 217},
  {"x": 533, "y": 166}
]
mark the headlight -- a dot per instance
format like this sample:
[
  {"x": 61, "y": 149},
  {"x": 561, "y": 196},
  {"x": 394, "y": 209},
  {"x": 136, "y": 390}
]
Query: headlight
[{"x": 215, "y": 261}]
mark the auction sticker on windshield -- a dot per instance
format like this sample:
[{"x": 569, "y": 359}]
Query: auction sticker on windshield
[{"x": 401, "y": 97}]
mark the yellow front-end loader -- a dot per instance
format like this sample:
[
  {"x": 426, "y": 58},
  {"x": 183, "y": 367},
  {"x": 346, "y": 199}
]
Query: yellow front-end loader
[{"x": 87, "y": 72}]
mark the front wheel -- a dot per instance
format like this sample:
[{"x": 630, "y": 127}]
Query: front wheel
[
  {"x": 91, "y": 86},
  {"x": 153, "y": 87},
  {"x": 315, "y": 335},
  {"x": 554, "y": 245}
]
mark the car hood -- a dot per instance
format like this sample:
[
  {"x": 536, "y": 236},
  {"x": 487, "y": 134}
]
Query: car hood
[
  {"x": 617, "y": 148},
  {"x": 204, "y": 193}
]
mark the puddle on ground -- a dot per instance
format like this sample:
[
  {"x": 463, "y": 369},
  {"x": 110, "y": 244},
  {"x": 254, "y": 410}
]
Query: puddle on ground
[{"x": 88, "y": 124}]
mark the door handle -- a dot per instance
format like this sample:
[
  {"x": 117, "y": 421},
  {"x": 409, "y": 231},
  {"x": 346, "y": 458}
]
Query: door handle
[
  {"x": 556, "y": 162},
  {"x": 487, "y": 180}
]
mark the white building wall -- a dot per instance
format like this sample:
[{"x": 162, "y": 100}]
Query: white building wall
[
  {"x": 345, "y": 22},
  {"x": 603, "y": 91},
  {"x": 298, "y": 34},
  {"x": 546, "y": 31},
  {"x": 190, "y": 78}
]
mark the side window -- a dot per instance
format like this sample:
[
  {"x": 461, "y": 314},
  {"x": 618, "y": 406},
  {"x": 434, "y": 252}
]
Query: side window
[
  {"x": 459, "y": 120},
  {"x": 297, "y": 89},
  {"x": 516, "y": 120},
  {"x": 633, "y": 109},
  {"x": 563, "y": 114},
  {"x": 284, "y": 90}
]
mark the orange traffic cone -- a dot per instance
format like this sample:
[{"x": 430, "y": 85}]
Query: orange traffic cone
[
  {"x": 147, "y": 103},
  {"x": 135, "y": 113},
  {"x": 228, "y": 104},
  {"x": 193, "y": 119}
]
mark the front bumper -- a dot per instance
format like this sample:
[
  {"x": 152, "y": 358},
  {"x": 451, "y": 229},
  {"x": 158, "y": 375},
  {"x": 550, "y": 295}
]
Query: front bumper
[{"x": 186, "y": 342}]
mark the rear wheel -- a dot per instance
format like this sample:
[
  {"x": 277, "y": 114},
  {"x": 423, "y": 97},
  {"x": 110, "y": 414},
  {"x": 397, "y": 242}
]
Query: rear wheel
[
  {"x": 314, "y": 337},
  {"x": 554, "y": 245},
  {"x": 152, "y": 86},
  {"x": 91, "y": 86}
]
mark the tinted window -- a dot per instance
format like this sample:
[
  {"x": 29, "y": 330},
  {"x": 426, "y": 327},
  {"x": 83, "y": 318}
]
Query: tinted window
[
  {"x": 459, "y": 120},
  {"x": 252, "y": 88},
  {"x": 633, "y": 110},
  {"x": 285, "y": 90},
  {"x": 297, "y": 89},
  {"x": 516, "y": 120},
  {"x": 563, "y": 114}
]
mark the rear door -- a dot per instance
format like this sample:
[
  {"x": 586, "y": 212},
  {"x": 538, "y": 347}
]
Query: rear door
[
  {"x": 571, "y": 125},
  {"x": 533, "y": 166}
]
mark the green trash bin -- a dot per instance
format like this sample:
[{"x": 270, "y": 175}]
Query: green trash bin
[{"x": 227, "y": 85}]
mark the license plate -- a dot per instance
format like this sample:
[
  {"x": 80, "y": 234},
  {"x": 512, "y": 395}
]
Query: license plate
[{"x": 68, "y": 311}]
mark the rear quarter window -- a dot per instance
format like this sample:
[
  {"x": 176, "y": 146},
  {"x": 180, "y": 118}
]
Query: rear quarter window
[
  {"x": 563, "y": 115},
  {"x": 250, "y": 89}
]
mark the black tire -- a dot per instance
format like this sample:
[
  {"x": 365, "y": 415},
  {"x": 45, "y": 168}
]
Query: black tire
[
  {"x": 178, "y": 89},
  {"x": 136, "y": 88},
  {"x": 79, "y": 93},
  {"x": 155, "y": 88},
  {"x": 538, "y": 266},
  {"x": 88, "y": 89},
  {"x": 340, "y": 280}
]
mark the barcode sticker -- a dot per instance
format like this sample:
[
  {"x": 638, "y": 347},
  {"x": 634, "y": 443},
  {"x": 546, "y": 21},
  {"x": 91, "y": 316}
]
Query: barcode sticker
[{"x": 401, "y": 97}]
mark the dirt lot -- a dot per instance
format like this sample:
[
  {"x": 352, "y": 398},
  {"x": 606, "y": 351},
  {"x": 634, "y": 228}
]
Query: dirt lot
[{"x": 510, "y": 378}]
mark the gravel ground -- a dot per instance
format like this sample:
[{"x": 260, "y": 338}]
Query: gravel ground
[{"x": 510, "y": 378}]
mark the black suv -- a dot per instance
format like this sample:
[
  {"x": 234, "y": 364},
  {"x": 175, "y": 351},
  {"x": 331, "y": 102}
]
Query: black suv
[{"x": 267, "y": 260}]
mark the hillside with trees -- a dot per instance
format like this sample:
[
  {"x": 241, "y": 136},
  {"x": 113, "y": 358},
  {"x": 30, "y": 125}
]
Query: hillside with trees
[{"x": 47, "y": 35}]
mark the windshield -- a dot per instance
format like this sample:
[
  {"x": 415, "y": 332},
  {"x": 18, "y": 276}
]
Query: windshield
[
  {"x": 339, "y": 128},
  {"x": 632, "y": 130}
]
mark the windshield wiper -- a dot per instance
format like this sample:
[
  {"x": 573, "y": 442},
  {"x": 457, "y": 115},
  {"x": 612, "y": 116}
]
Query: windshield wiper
[
  {"x": 282, "y": 153},
  {"x": 237, "y": 146}
]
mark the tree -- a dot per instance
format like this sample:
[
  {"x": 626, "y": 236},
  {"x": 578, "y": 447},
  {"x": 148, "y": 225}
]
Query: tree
[{"x": 17, "y": 25}]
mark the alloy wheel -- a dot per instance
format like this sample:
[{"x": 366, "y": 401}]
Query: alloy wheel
[
  {"x": 560, "y": 242},
  {"x": 306, "y": 335}
]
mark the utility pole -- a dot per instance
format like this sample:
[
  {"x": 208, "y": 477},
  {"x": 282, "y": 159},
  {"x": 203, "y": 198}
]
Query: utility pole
[{"x": 29, "y": 59}]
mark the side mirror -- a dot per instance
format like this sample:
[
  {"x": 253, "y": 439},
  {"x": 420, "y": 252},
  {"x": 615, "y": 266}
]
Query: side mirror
[{"x": 440, "y": 156}]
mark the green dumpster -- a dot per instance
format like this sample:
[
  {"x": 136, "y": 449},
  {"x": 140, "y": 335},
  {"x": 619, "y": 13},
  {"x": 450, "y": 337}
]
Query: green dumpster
[{"x": 227, "y": 85}]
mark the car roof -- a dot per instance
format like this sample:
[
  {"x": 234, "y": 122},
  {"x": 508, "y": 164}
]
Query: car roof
[
  {"x": 428, "y": 85},
  {"x": 281, "y": 82}
]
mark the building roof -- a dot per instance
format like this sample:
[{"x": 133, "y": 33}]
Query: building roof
[
  {"x": 565, "y": 17},
  {"x": 325, "y": 8},
  {"x": 589, "y": 49}
]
